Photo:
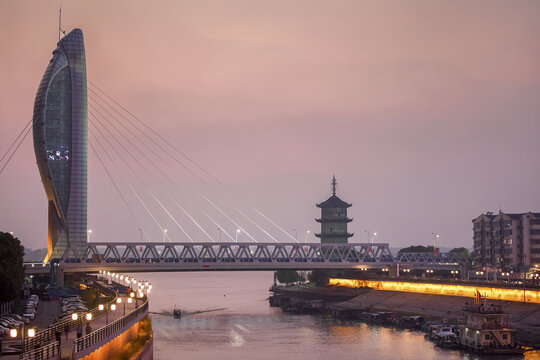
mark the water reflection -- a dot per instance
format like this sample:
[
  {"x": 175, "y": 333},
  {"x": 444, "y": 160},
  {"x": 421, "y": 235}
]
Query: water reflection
[{"x": 241, "y": 325}]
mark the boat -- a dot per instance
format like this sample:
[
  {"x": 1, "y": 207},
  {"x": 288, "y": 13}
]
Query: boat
[
  {"x": 410, "y": 322},
  {"x": 177, "y": 313},
  {"x": 444, "y": 337},
  {"x": 486, "y": 330},
  {"x": 304, "y": 307}
]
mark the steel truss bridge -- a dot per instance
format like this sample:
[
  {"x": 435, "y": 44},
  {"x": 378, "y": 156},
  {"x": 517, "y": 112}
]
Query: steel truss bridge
[{"x": 194, "y": 256}]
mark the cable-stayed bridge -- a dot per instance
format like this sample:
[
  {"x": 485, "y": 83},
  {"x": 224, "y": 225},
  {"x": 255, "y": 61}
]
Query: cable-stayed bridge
[{"x": 163, "y": 193}]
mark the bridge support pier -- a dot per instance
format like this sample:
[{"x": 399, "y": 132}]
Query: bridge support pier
[
  {"x": 59, "y": 277},
  {"x": 463, "y": 269},
  {"x": 393, "y": 270}
]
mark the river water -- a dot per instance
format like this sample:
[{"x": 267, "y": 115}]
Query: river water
[{"x": 227, "y": 316}]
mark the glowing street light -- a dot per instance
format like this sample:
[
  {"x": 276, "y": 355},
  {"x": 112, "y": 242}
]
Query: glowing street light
[
  {"x": 13, "y": 333},
  {"x": 435, "y": 237},
  {"x": 164, "y": 234},
  {"x": 88, "y": 316},
  {"x": 119, "y": 300},
  {"x": 373, "y": 237},
  {"x": 307, "y": 235},
  {"x": 74, "y": 316},
  {"x": 129, "y": 300},
  {"x": 113, "y": 307},
  {"x": 236, "y": 235},
  {"x": 89, "y": 233},
  {"x": 101, "y": 307}
]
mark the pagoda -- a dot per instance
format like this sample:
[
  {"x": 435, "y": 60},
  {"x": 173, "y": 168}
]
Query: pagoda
[{"x": 334, "y": 219}]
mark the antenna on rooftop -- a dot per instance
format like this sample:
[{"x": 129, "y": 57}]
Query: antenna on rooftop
[{"x": 60, "y": 31}]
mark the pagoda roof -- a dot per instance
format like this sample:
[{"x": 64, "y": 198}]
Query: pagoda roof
[{"x": 334, "y": 202}]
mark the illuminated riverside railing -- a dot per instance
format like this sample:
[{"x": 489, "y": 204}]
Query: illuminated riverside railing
[
  {"x": 46, "y": 335},
  {"x": 492, "y": 293},
  {"x": 49, "y": 351},
  {"x": 87, "y": 344}
]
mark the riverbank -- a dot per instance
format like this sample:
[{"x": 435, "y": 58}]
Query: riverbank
[{"x": 524, "y": 317}]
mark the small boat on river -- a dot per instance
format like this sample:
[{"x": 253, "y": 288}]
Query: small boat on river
[{"x": 177, "y": 313}]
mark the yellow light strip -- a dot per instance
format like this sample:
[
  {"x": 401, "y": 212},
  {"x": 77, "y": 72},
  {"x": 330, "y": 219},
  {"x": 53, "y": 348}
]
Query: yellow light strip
[{"x": 492, "y": 293}]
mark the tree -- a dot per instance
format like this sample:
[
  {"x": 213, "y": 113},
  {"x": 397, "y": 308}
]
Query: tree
[
  {"x": 11, "y": 266},
  {"x": 288, "y": 276},
  {"x": 460, "y": 250},
  {"x": 417, "y": 248}
]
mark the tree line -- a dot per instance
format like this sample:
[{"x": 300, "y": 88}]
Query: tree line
[{"x": 11, "y": 266}]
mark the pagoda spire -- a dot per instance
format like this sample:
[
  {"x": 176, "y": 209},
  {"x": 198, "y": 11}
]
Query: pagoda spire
[{"x": 334, "y": 183}]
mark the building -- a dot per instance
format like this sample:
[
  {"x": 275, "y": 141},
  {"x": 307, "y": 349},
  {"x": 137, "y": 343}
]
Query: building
[
  {"x": 507, "y": 241},
  {"x": 60, "y": 124},
  {"x": 334, "y": 219}
]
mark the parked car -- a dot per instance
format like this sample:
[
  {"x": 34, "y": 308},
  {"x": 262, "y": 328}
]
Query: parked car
[
  {"x": 18, "y": 317},
  {"x": 4, "y": 330},
  {"x": 7, "y": 324},
  {"x": 29, "y": 315},
  {"x": 12, "y": 321}
]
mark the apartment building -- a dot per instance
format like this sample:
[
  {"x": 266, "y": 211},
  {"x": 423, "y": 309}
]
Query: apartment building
[{"x": 507, "y": 241}]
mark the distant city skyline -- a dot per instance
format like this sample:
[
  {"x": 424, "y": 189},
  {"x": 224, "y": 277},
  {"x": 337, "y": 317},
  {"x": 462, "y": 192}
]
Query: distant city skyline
[{"x": 426, "y": 112}]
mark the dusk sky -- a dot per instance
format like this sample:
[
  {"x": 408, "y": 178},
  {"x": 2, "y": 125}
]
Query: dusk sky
[{"x": 427, "y": 112}]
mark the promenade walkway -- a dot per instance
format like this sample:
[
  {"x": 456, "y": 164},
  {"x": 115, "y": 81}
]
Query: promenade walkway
[{"x": 66, "y": 345}]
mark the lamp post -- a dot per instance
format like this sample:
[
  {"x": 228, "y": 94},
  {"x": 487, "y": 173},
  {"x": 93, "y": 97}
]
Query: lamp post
[
  {"x": 31, "y": 333},
  {"x": 435, "y": 237},
  {"x": 164, "y": 234},
  {"x": 368, "y": 234},
  {"x": 219, "y": 231},
  {"x": 307, "y": 235},
  {"x": 89, "y": 233},
  {"x": 373, "y": 237},
  {"x": 295, "y": 234},
  {"x": 140, "y": 231},
  {"x": 236, "y": 235}
]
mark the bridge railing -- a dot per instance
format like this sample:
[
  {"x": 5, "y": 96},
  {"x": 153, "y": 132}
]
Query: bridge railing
[
  {"x": 105, "y": 333},
  {"x": 228, "y": 252},
  {"x": 431, "y": 258}
]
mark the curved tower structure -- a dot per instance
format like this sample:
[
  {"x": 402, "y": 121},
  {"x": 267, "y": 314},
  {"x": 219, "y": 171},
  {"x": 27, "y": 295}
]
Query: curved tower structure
[{"x": 60, "y": 126}]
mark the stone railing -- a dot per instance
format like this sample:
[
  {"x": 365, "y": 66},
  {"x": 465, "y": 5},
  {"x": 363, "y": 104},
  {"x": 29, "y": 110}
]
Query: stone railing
[{"x": 87, "y": 344}]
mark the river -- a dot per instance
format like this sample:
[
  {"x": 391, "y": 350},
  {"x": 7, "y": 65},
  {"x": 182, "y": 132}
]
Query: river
[{"x": 227, "y": 316}]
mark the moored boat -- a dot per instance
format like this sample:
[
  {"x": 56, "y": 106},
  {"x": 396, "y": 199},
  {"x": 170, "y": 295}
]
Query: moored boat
[
  {"x": 486, "y": 330},
  {"x": 410, "y": 322},
  {"x": 177, "y": 313},
  {"x": 446, "y": 338}
]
